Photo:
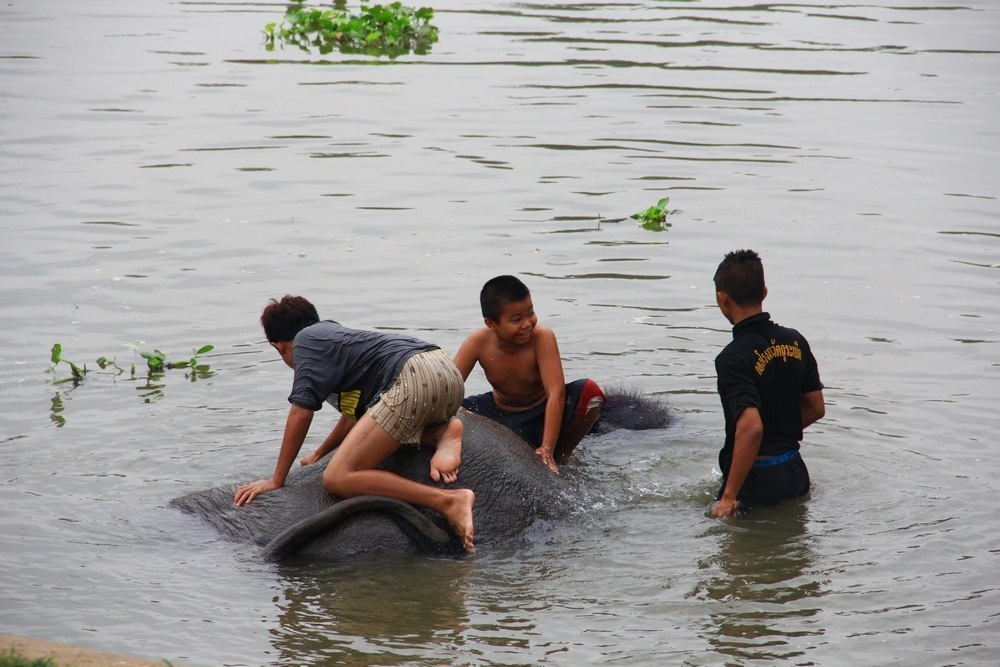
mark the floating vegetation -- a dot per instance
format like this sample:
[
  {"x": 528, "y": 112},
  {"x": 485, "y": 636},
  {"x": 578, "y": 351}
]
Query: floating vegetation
[
  {"x": 378, "y": 30},
  {"x": 654, "y": 218},
  {"x": 156, "y": 362}
]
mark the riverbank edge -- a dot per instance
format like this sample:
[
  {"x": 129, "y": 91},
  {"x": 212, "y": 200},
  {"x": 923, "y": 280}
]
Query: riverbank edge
[{"x": 65, "y": 655}]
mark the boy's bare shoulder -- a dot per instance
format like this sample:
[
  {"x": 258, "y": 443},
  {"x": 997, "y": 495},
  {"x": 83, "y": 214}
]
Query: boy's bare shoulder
[
  {"x": 545, "y": 329},
  {"x": 479, "y": 338},
  {"x": 473, "y": 349},
  {"x": 544, "y": 333}
]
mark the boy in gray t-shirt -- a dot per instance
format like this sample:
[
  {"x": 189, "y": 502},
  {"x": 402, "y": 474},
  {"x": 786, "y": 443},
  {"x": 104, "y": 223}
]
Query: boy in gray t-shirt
[
  {"x": 390, "y": 390},
  {"x": 349, "y": 368}
]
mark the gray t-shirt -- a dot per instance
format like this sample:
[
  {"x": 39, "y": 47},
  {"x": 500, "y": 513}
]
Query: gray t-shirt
[{"x": 349, "y": 368}]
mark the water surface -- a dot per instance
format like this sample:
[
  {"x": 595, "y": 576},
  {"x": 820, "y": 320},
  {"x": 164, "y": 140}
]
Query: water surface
[{"x": 163, "y": 176}]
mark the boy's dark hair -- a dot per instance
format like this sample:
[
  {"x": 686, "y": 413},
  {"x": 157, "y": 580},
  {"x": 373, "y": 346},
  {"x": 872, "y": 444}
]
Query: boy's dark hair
[
  {"x": 741, "y": 276},
  {"x": 498, "y": 292},
  {"x": 283, "y": 319}
]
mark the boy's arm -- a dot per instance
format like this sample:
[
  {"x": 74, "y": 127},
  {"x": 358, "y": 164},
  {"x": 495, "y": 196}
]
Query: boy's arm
[
  {"x": 468, "y": 354},
  {"x": 551, "y": 371},
  {"x": 813, "y": 407},
  {"x": 296, "y": 428},
  {"x": 332, "y": 441},
  {"x": 749, "y": 430}
]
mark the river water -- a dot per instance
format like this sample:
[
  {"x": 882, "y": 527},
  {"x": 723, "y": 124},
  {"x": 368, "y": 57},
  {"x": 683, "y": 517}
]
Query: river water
[{"x": 163, "y": 176}]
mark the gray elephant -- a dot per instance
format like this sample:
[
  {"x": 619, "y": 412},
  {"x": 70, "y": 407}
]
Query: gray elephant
[{"x": 513, "y": 488}]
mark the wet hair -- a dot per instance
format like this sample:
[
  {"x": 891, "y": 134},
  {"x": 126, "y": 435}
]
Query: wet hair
[
  {"x": 285, "y": 318},
  {"x": 741, "y": 276},
  {"x": 498, "y": 292}
]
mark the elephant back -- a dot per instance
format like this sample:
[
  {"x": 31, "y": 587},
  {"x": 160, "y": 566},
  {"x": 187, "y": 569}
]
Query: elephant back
[{"x": 512, "y": 486}]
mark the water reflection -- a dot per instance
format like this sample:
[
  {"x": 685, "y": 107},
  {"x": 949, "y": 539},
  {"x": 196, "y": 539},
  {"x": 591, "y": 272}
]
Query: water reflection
[
  {"x": 57, "y": 410},
  {"x": 370, "y": 613},
  {"x": 854, "y": 143},
  {"x": 150, "y": 386},
  {"x": 763, "y": 560},
  {"x": 152, "y": 389}
]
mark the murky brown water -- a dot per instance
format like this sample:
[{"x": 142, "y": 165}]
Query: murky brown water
[{"x": 163, "y": 176}]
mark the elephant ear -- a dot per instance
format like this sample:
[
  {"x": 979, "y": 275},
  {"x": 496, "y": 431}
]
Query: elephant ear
[{"x": 292, "y": 539}]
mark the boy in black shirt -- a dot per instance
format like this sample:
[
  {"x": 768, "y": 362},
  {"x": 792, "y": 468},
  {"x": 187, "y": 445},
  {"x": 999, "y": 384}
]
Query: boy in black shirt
[{"x": 770, "y": 390}]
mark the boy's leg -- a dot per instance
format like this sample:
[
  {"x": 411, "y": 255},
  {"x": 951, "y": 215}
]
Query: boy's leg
[
  {"x": 584, "y": 400},
  {"x": 577, "y": 427},
  {"x": 352, "y": 472}
]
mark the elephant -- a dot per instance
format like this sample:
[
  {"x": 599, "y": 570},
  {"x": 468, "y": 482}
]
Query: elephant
[{"x": 513, "y": 489}]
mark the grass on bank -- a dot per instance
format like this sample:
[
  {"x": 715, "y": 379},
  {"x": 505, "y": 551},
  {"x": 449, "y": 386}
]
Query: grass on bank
[{"x": 11, "y": 658}]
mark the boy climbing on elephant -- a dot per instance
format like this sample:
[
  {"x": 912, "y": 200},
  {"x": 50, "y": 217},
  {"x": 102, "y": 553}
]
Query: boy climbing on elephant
[
  {"x": 390, "y": 390},
  {"x": 521, "y": 361}
]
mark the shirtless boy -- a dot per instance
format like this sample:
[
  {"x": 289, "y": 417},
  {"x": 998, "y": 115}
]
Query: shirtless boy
[
  {"x": 521, "y": 361},
  {"x": 390, "y": 390}
]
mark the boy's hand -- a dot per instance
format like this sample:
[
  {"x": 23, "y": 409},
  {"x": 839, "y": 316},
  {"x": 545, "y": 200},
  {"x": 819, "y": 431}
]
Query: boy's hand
[
  {"x": 724, "y": 507},
  {"x": 248, "y": 492},
  {"x": 546, "y": 457},
  {"x": 310, "y": 458}
]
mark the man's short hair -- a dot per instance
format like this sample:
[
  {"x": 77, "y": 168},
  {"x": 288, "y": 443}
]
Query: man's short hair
[
  {"x": 283, "y": 319},
  {"x": 741, "y": 276},
  {"x": 498, "y": 292}
]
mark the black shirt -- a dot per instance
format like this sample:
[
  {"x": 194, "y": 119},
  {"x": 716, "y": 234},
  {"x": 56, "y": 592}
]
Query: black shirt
[{"x": 769, "y": 367}]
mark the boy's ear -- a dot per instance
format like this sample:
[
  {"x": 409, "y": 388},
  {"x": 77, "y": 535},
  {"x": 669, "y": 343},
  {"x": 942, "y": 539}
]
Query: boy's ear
[
  {"x": 490, "y": 324},
  {"x": 725, "y": 304}
]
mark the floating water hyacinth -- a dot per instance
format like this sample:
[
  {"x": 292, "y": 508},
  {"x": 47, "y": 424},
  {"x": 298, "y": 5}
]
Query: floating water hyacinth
[
  {"x": 654, "y": 218},
  {"x": 378, "y": 30}
]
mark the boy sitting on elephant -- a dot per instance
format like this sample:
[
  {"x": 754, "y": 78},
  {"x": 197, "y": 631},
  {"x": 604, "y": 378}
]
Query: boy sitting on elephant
[
  {"x": 390, "y": 389},
  {"x": 521, "y": 361}
]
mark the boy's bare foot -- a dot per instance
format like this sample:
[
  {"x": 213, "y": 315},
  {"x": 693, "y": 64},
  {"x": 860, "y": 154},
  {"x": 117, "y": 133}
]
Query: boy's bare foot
[
  {"x": 459, "y": 515},
  {"x": 448, "y": 453}
]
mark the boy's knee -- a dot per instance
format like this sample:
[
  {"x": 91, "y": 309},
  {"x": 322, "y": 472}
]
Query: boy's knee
[
  {"x": 333, "y": 481},
  {"x": 592, "y": 399}
]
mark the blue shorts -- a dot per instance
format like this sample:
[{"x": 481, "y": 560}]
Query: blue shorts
[
  {"x": 772, "y": 480},
  {"x": 530, "y": 424}
]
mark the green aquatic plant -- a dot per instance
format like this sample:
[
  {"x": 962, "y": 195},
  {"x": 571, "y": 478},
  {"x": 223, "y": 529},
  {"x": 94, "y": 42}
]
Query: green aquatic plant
[
  {"x": 78, "y": 371},
  {"x": 156, "y": 362},
  {"x": 654, "y": 218},
  {"x": 378, "y": 30}
]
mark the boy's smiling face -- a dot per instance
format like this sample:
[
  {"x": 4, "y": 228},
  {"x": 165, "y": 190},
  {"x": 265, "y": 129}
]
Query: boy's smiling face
[{"x": 517, "y": 321}]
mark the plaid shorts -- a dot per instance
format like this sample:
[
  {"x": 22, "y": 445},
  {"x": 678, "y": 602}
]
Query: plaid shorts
[{"x": 427, "y": 392}]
